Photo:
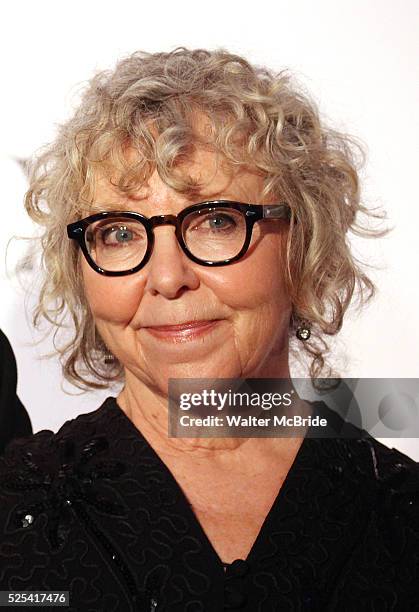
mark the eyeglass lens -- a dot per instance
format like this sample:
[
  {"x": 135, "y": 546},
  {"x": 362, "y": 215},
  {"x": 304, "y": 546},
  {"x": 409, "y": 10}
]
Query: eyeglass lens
[{"x": 118, "y": 244}]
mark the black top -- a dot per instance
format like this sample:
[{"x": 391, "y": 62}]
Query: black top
[
  {"x": 14, "y": 420},
  {"x": 94, "y": 510}
]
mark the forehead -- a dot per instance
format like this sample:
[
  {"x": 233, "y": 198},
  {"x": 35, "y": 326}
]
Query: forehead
[{"x": 210, "y": 173}]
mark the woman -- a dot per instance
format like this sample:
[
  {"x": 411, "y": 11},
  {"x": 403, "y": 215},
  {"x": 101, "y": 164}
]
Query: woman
[{"x": 195, "y": 214}]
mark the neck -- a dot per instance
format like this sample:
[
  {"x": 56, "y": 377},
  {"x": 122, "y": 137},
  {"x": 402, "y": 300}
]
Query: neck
[{"x": 147, "y": 407}]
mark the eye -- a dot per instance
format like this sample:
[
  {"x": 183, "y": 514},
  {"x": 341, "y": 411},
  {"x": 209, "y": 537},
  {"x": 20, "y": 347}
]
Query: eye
[
  {"x": 117, "y": 235},
  {"x": 215, "y": 222}
]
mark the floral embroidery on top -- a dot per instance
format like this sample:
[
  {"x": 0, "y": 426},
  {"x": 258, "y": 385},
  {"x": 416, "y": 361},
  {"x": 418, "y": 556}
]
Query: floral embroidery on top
[
  {"x": 74, "y": 480},
  {"x": 396, "y": 497}
]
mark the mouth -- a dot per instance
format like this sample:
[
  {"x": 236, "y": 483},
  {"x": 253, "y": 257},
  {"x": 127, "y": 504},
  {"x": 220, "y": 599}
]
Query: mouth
[
  {"x": 182, "y": 326},
  {"x": 184, "y": 332}
]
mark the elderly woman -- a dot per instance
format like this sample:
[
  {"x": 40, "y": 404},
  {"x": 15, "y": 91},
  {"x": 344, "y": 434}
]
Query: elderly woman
[{"x": 195, "y": 213}]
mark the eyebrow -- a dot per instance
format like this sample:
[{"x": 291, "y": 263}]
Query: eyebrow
[
  {"x": 124, "y": 206},
  {"x": 106, "y": 206}
]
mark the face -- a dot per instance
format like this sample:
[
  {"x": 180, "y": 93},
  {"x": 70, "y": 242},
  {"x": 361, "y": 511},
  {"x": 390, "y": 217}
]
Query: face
[{"x": 247, "y": 298}]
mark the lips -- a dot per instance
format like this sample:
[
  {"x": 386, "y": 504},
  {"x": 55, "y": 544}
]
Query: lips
[
  {"x": 183, "y": 334},
  {"x": 181, "y": 326}
]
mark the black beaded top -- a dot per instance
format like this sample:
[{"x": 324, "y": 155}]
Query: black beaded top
[{"x": 94, "y": 510}]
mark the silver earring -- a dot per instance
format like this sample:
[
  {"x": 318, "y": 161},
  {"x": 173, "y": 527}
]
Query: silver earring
[
  {"x": 303, "y": 332},
  {"x": 108, "y": 357}
]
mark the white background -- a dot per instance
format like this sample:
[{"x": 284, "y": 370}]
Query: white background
[{"x": 359, "y": 60}]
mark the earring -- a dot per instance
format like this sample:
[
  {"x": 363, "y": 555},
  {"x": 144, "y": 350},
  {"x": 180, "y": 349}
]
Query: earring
[
  {"x": 303, "y": 332},
  {"x": 108, "y": 357}
]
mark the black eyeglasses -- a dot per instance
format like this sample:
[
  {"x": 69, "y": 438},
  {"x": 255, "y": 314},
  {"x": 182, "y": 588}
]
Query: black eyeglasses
[{"x": 215, "y": 233}]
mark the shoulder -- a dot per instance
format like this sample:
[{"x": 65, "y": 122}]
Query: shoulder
[
  {"x": 368, "y": 495},
  {"x": 53, "y": 489},
  {"x": 384, "y": 562},
  {"x": 388, "y": 481},
  {"x": 384, "y": 473},
  {"x": 41, "y": 473},
  {"x": 385, "y": 479},
  {"x": 42, "y": 447},
  {"x": 48, "y": 450}
]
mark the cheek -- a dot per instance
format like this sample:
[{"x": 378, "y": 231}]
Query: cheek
[
  {"x": 113, "y": 299},
  {"x": 272, "y": 267},
  {"x": 258, "y": 280}
]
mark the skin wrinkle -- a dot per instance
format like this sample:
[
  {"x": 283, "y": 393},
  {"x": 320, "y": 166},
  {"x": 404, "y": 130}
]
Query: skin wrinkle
[
  {"x": 250, "y": 295},
  {"x": 256, "y": 117},
  {"x": 307, "y": 164}
]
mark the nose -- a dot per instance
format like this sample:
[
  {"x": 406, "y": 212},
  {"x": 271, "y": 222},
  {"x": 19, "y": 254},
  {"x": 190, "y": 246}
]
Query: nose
[{"x": 169, "y": 271}]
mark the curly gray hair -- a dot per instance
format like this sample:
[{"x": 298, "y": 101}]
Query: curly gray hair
[{"x": 257, "y": 118}]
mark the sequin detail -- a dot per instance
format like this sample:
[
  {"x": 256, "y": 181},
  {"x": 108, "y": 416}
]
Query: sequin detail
[{"x": 54, "y": 493}]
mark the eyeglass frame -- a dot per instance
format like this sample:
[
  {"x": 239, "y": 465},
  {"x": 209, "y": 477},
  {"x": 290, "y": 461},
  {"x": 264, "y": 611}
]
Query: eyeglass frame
[{"x": 251, "y": 212}]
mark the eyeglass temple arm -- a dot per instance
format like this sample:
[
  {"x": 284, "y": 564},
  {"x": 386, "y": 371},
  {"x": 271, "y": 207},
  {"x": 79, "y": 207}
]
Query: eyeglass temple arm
[{"x": 276, "y": 211}]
